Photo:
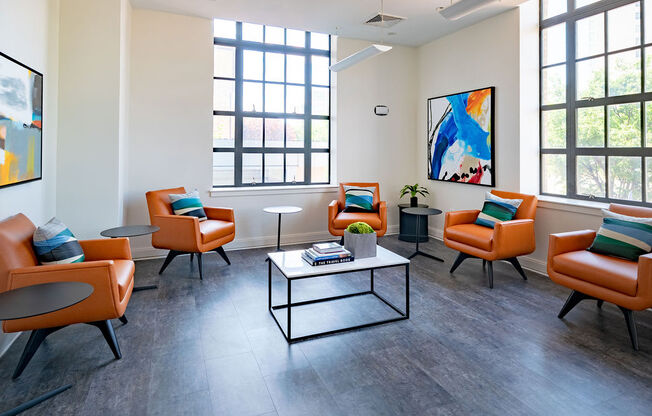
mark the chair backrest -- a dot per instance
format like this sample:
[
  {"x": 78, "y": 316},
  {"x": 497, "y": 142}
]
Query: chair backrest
[
  {"x": 528, "y": 208},
  {"x": 16, "y": 246},
  {"x": 342, "y": 200},
  {"x": 631, "y": 210},
  {"x": 158, "y": 202}
]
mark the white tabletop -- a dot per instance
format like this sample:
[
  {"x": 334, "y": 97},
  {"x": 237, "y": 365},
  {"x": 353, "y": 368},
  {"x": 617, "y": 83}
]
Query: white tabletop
[
  {"x": 293, "y": 266},
  {"x": 284, "y": 209}
]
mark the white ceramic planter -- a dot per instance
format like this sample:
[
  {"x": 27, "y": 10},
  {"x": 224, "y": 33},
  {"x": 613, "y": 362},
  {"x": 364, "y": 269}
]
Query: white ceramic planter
[{"x": 360, "y": 245}]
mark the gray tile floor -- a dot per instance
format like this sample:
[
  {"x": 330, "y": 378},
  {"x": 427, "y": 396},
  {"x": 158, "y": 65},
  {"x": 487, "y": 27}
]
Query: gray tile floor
[{"x": 210, "y": 348}]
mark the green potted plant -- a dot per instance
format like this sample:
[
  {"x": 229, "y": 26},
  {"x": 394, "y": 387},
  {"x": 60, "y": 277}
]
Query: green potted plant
[
  {"x": 413, "y": 190},
  {"x": 360, "y": 240}
]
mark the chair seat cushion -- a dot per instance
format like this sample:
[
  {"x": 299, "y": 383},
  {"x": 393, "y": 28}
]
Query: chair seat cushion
[
  {"x": 472, "y": 234},
  {"x": 344, "y": 219},
  {"x": 124, "y": 270},
  {"x": 605, "y": 271},
  {"x": 211, "y": 230}
]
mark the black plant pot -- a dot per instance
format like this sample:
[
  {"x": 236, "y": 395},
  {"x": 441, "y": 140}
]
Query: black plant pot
[{"x": 414, "y": 201}]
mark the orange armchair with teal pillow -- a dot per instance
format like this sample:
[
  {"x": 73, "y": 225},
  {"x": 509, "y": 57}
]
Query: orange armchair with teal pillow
[{"x": 357, "y": 201}]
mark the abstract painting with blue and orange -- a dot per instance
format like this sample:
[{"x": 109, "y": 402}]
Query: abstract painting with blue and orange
[
  {"x": 460, "y": 137},
  {"x": 21, "y": 112}
]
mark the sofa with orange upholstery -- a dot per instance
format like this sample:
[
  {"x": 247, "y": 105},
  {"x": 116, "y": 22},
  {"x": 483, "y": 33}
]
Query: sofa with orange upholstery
[
  {"x": 187, "y": 235},
  {"x": 338, "y": 219},
  {"x": 506, "y": 241},
  {"x": 625, "y": 283},
  {"x": 107, "y": 267}
]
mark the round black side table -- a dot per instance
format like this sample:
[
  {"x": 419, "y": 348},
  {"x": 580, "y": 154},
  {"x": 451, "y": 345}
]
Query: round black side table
[
  {"x": 30, "y": 301},
  {"x": 422, "y": 212},
  {"x": 407, "y": 228},
  {"x": 132, "y": 231}
]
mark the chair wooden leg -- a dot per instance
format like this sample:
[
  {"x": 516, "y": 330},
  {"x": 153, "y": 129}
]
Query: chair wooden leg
[
  {"x": 573, "y": 299},
  {"x": 517, "y": 266},
  {"x": 342, "y": 241},
  {"x": 600, "y": 302},
  {"x": 490, "y": 274},
  {"x": 109, "y": 336},
  {"x": 171, "y": 255},
  {"x": 35, "y": 339},
  {"x": 124, "y": 320},
  {"x": 460, "y": 258},
  {"x": 631, "y": 326},
  {"x": 484, "y": 264},
  {"x": 221, "y": 252},
  {"x": 192, "y": 257},
  {"x": 199, "y": 262}
]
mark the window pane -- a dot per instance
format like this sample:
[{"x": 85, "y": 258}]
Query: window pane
[
  {"x": 252, "y": 32},
  {"x": 590, "y": 78},
  {"x": 319, "y": 41},
  {"x": 320, "y": 103},
  {"x": 591, "y": 176},
  {"x": 296, "y": 38},
  {"x": 274, "y": 98},
  {"x": 223, "y": 169},
  {"x": 294, "y": 132},
  {"x": 553, "y": 174},
  {"x": 589, "y": 35},
  {"x": 590, "y": 127},
  {"x": 273, "y": 167},
  {"x": 274, "y": 35},
  {"x": 553, "y": 129},
  {"x": 624, "y": 125},
  {"x": 582, "y": 3},
  {"x": 294, "y": 167},
  {"x": 223, "y": 131},
  {"x": 274, "y": 131},
  {"x": 553, "y": 42},
  {"x": 648, "y": 127},
  {"x": 648, "y": 178},
  {"x": 553, "y": 86},
  {"x": 252, "y": 132},
  {"x": 252, "y": 96},
  {"x": 224, "y": 61},
  {"x": 295, "y": 99},
  {"x": 625, "y": 177},
  {"x": 648, "y": 65},
  {"x": 320, "y": 71},
  {"x": 296, "y": 69},
  {"x": 252, "y": 167},
  {"x": 625, "y": 73},
  {"x": 274, "y": 67},
  {"x": 319, "y": 134},
  {"x": 223, "y": 28},
  {"x": 552, "y": 8},
  {"x": 648, "y": 21},
  {"x": 319, "y": 167},
  {"x": 252, "y": 65},
  {"x": 223, "y": 95},
  {"x": 624, "y": 24}
]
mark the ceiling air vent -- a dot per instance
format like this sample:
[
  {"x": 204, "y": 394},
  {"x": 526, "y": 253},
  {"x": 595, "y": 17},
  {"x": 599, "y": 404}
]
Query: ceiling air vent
[{"x": 384, "y": 20}]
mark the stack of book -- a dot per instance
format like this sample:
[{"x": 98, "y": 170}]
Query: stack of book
[{"x": 326, "y": 253}]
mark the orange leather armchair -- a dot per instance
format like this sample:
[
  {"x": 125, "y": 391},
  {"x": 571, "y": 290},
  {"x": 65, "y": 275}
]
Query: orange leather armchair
[
  {"x": 506, "y": 241},
  {"x": 108, "y": 268},
  {"x": 187, "y": 235},
  {"x": 338, "y": 220},
  {"x": 625, "y": 283}
]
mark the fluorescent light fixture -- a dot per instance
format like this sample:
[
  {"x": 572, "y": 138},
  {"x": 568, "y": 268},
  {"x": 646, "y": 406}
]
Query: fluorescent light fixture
[
  {"x": 463, "y": 8},
  {"x": 359, "y": 56}
]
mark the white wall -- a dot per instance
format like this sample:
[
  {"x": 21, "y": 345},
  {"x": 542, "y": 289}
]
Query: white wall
[
  {"x": 171, "y": 128},
  {"x": 29, "y": 33}
]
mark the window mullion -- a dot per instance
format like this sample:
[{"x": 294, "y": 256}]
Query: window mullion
[
  {"x": 571, "y": 117},
  {"x": 237, "y": 156}
]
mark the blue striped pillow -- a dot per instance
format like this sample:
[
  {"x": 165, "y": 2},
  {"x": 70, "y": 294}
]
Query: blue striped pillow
[
  {"x": 55, "y": 244},
  {"x": 623, "y": 236},
  {"x": 358, "y": 198},
  {"x": 497, "y": 209},
  {"x": 188, "y": 204}
]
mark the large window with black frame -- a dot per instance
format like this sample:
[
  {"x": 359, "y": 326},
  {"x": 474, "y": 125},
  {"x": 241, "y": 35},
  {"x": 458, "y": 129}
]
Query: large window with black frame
[
  {"x": 271, "y": 106},
  {"x": 596, "y": 99}
]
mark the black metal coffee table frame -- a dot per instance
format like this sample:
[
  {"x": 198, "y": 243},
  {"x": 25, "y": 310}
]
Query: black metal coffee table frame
[{"x": 288, "y": 335}]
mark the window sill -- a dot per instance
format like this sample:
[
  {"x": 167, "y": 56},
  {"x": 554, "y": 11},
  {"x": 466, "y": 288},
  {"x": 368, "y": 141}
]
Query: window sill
[
  {"x": 571, "y": 205},
  {"x": 273, "y": 190}
]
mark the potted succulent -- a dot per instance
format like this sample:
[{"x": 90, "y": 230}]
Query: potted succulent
[
  {"x": 413, "y": 190},
  {"x": 360, "y": 240}
]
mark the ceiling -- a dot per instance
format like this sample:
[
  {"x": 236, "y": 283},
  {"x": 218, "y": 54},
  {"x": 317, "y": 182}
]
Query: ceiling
[{"x": 339, "y": 17}]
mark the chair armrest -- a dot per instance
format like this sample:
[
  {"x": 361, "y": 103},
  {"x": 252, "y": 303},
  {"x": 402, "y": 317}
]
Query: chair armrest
[
  {"x": 514, "y": 238},
  {"x": 645, "y": 277},
  {"x": 382, "y": 212},
  {"x": 333, "y": 210},
  {"x": 106, "y": 249},
  {"x": 177, "y": 232},
  {"x": 561, "y": 243},
  {"x": 223, "y": 214},
  {"x": 461, "y": 217}
]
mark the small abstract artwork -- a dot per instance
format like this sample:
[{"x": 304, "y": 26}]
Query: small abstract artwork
[
  {"x": 21, "y": 127},
  {"x": 461, "y": 137}
]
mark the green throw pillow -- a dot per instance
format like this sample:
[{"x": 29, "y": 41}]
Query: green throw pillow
[
  {"x": 623, "y": 236},
  {"x": 497, "y": 209}
]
